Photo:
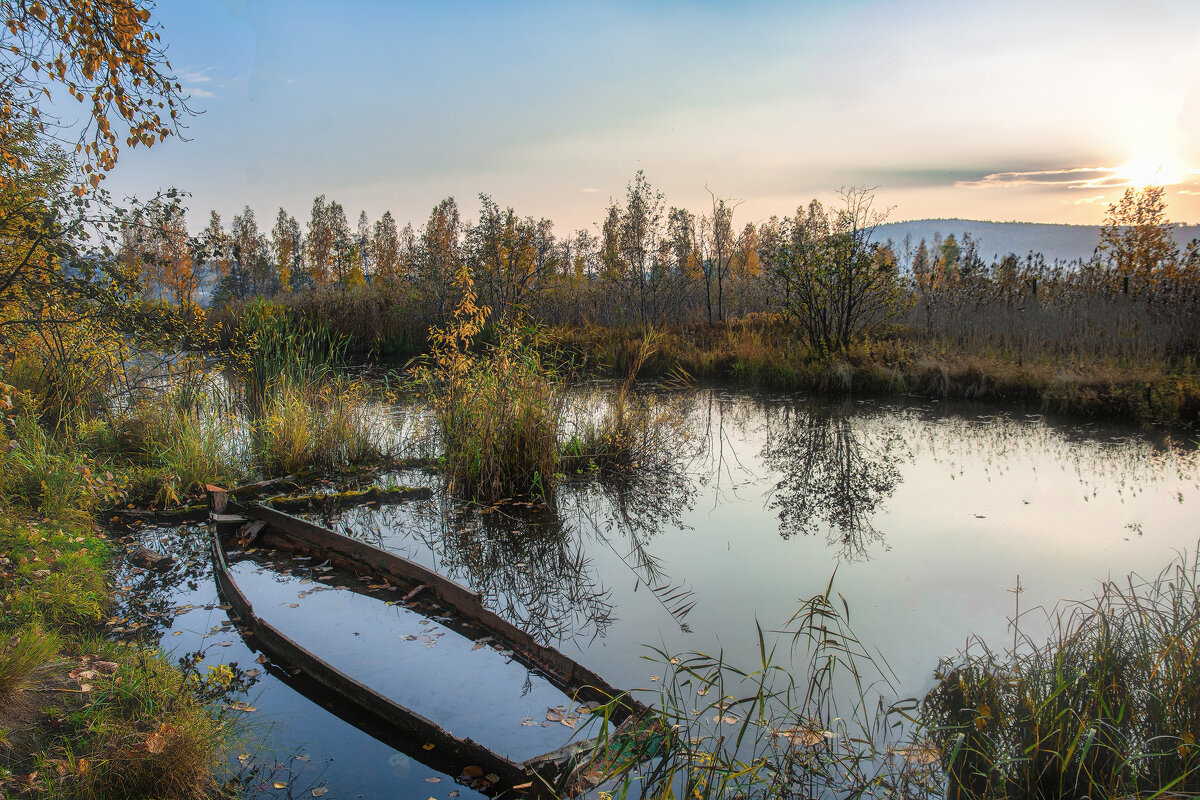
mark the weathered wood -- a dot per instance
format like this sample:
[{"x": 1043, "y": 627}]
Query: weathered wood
[
  {"x": 569, "y": 771},
  {"x": 565, "y": 673},
  {"x": 291, "y": 655},
  {"x": 145, "y": 557},
  {"x": 325, "y": 502}
]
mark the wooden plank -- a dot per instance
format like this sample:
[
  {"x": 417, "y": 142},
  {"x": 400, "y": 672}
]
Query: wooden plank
[
  {"x": 287, "y": 653},
  {"x": 565, "y": 673}
]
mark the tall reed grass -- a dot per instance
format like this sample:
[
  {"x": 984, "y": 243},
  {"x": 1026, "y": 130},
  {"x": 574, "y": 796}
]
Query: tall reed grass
[
  {"x": 330, "y": 427},
  {"x": 1108, "y": 707},
  {"x": 628, "y": 431},
  {"x": 271, "y": 348},
  {"x": 498, "y": 411},
  {"x": 812, "y": 724}
]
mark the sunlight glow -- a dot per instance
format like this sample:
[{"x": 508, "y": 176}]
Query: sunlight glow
[{"x": 1145, "y": 172}]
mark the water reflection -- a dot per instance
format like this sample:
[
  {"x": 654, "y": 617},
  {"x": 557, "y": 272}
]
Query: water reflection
[
  {"x": 625, "y": 513},
  {"x": 536, "y": 565},
  {"x": 835, "y": 475}
]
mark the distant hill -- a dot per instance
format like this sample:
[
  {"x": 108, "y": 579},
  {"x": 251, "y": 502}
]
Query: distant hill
[{"x": 997, "y": 239}]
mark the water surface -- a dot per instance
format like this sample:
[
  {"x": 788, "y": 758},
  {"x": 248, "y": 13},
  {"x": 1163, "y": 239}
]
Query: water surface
[{"x": 929, "y": 513}]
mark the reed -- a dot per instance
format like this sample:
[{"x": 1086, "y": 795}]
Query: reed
[
  {"x": 498, "y": 411},
  {"x": 809, "y": 724},
  {"x": 627, "y": 431},
  {"x": 1107, "y": 707},
  {"x": 326, "y": 428},
  {"x": 270, "y": 348}
]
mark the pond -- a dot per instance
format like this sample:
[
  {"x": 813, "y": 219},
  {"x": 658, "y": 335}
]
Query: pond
[{"x": 929, "y": 513}]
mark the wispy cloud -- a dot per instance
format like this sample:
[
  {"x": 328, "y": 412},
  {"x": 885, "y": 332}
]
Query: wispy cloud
[
  {"x": 193, "y": 81},
  {"x": 589, "y": 190},
  {"x": 1070, "y": 178}
]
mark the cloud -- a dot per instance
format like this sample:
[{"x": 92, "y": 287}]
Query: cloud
[
  {"x": 192, "y": 80},
  {"x": 1070, "y": 178},
  {"x": 195, "y": 76},
  {"x": 589, "y": 190}
]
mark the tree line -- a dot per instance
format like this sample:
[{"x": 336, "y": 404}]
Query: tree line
[{"x": 646, "y": 263}]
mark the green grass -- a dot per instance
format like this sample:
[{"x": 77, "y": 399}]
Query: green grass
[
  {"x": 807, "y": 722},
  {"x": 138, "y": 729}
]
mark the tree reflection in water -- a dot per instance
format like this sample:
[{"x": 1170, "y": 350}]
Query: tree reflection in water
[
  {"x": 625, "y": 513},
  {"x": 834, "y": 474},
  {"x": 534, "y": 565}
]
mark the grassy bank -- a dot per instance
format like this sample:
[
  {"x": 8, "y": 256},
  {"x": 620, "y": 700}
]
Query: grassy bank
[
  {"x": 85, "y": 717},
  {"x": 1135, "y": 372},
  {"x": 761, "y": 350},
  {"x": 81, "y": 716}
]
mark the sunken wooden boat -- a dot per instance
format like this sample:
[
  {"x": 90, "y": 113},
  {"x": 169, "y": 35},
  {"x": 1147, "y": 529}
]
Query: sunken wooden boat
[{"x": 568, "y": 771}]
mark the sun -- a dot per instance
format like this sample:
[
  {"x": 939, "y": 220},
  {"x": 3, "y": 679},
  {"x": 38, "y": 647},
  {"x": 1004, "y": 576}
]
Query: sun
[{"x": 1144, "y": 172}]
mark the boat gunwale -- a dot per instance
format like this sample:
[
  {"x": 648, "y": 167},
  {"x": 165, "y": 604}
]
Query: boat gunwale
[{"x": 537, "y": 775}]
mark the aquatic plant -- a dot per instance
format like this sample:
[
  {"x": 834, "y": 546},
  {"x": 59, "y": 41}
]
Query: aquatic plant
[
  {"x": 815, "y": 724},
  {"x": 498, "y": 411},
  {"x": 628, "y": 431},
  {"x": 270, "y": 349},
  {"x": 326, "y": 428},
  {"x": 1109, "y": 706}
]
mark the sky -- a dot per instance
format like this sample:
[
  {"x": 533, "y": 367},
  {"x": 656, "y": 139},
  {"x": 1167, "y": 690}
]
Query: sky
[{"x": 1033, "y": 111}]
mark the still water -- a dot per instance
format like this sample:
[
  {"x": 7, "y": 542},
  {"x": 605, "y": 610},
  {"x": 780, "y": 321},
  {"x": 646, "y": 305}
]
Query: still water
[{"x": 928, "y": 513}]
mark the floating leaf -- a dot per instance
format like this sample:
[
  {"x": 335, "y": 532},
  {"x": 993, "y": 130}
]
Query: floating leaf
[
  {"x": 280, "y": 785},
  {"x": 320, "y": 790},
  {"x": 433, "y": 780},
  {"x": 473, "y": 771},
  {"x": 428, "y": 746}
]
